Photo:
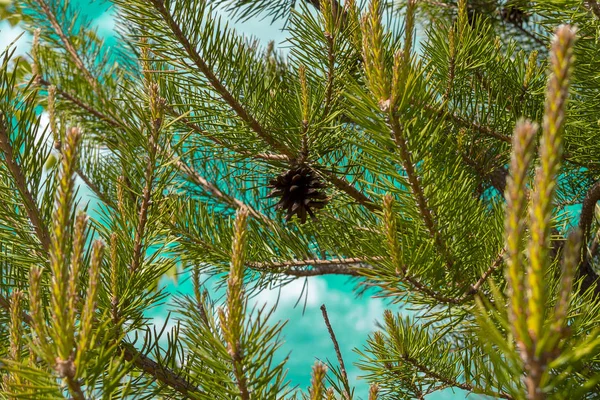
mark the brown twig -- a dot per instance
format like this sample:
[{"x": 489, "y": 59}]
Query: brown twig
[
  {"x": 593, "y": 6},
  {"x": 337, "y": 352},
  {"x": 196, "y": 128},
  {"x": 345, "y": 186},
  {"x": 450, "y": 382},
  {"x": 585, "y": 222},
  {"x": 227, "y": 96},
  {"x": 158, "y": 371},
  {"x": 29, "y": 202},
  {"x": 68, "y": 45},
  {"x": 141, "y": 361},
  {"x": 417, "y": 191},
  {"x": 343, "y": 266},
  {"x": 475, "y": 288}
]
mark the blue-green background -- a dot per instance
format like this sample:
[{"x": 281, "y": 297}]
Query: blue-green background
[{"x": 306, "y": 337}]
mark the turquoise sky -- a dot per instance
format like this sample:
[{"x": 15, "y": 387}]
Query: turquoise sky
[{"x": 305, "y": 334}]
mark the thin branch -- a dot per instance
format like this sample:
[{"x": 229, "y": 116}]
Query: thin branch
[
  {"x": 587, "y": 210},
  {"x": 29, "y": 202},
  {"x": 317, "y": 270},
  {"x": 213, "y": 189},
  {"x": 337, "y": 352},
  {"x": 467, "y": 123},
  {"x": 417, "y": 191},
  {"x": 585, "y": 222},
  {"x": 330, "y": 73},
  {"x": 144, "y": 208},
  {"x": 68, "y": 45},
  {"x": 86, "y": 107},
  {"x": 316, "y": 262},
  {"x": 196, "y": 128},
  {"x": 201, "y": 64},
  {"x": 448, "y": 381},
  {"x": 593, "y": 6},
  {"x": 141, "y": 361},
  {"x": 158, "y": 371},
  {"x": 345, "y": 186},
  {"x": 475, "y": 288}
]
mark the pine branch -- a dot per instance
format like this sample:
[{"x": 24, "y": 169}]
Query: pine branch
[
  {"x": 417, "y": 190},
  {"x": 448, "y": 381},
  {"x": 202, "y": 65},
  {"x": 338, "y": 353},
  {"x": 68, "y": 44},
  {"x": 184, "y": 168},
  {"x": 593, "y": 6},
  {"x": 161, "y": 373},
  {"x": 144, "y": 209},
  {"x": 195, "y": 128},
  {"x": 214, "y": 190},
  {"x": 585, "y": 222},
  {"x": 33, "y": 212},
  {"x": 345, "y": 186},
  {"x": 79, "y": 103},
  {"x": 141, "y": 361}
]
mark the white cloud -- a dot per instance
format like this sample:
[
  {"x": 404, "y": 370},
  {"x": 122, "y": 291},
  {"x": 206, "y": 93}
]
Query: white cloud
[
  {"x": 105, "y": 23},
  {"x": 9, "y": 34},
  {"x": 289, "y": 294}
]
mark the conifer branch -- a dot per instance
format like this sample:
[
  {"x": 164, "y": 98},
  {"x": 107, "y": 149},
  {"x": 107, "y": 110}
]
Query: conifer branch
[
  {"x": 451, "y": 382},
  {"x": 183, "y": 167},
  {"x": 338, "y": 353},
  {"x": 68, "y": 45},
  {"x": 161, "y": 373},
  {"x": 345, "y": 186},
  {"x": 30, "y": 205},
  {"x": 145, "y": 206},
  {"x": 202, "y": 132},
  {"x": 140, "y": 361},
  {"x": 219, "y": 87},
  {"x": 586, "y": 217},
  {"x": 81, "y": 104},
  {"x": 585, "y": 222},
  {"x": 593, "y": 6},
  {"x": 417, "y": 190}
]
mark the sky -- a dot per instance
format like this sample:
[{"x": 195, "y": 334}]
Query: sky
[{"x": 306, "y": 337}]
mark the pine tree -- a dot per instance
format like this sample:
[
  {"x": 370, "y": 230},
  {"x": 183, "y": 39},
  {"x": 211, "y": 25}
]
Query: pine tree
[{"x": 426, "y": 149}]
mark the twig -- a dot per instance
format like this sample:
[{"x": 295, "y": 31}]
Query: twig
[
  {"x": 201, "y": 64},
  {"x": 337, "y": 351},
  {"x": 593, "y": 6},
  {"x": 86, "y": 107},
  {"x": 345, "y": 186},
  {"x": 475, "y": 288},
  {"x": 585, "y": 222},
  {"x": 141, "y": 361},
  {"x": 450, "y": 382},
  {"x": 68, "y": 45},
  {"x": 29, "y": 202},
  {"x": 417, "y": 191},
  {"x": 347, "y": 266},
  {"x": 144, "y": 208},
  {"x": 194, "y": 127}
]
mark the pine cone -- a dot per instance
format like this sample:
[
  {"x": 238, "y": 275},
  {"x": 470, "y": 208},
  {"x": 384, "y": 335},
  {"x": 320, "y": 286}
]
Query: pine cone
[{"x": 298, "y": 189}]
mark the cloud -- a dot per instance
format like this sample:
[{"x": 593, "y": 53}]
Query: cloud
[
  {"x": 289, "y": 294},
  {"x": 105, "y": 23},
  {"x": 9, "y": 34}
]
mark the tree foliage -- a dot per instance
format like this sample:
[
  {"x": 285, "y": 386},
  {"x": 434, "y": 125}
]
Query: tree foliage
[{"x": 416, "y": 125}]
